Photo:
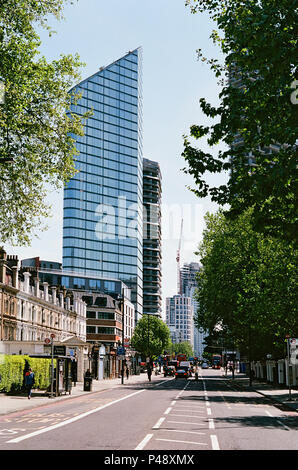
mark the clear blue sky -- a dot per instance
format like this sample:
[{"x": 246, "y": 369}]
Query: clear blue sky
[{"x": 173, "y": 81}]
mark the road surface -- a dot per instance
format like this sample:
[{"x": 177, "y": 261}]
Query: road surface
[{"x": 168, "y": 415}]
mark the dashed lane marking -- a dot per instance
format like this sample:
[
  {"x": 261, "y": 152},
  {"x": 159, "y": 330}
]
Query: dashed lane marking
[
  {"x": 144, "y": 442},
  {"x": 159, "y": 423},
  {"x": 214, "y": 442}
]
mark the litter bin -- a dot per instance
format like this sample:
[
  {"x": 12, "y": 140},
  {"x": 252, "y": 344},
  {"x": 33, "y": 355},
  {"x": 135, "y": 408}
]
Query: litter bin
[{"x": 87, "y": 384}]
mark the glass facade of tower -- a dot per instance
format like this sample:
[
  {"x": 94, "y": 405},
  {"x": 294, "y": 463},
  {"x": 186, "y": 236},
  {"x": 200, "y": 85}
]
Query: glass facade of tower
[
  {"x": 152, "y": 238},
  {"x": 102, "y": 231}
]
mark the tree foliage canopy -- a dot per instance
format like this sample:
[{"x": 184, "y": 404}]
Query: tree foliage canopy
[
  {"x": 182, "y": 348},
  {"x": 256, "y": 118},
  {"x": 37, "y": 130},
  {"x": 247, "y": 288},
  {"x": 151, "y": 336}
]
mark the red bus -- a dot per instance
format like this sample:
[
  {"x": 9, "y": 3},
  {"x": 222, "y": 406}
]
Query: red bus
[
  {"x": 181, "y": 357},
  {"x": 216, "y": 361}
]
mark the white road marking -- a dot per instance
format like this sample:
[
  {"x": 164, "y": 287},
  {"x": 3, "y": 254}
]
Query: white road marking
[
  {"x": 71, "y": 420},
  {"x": 214, "y": 442},
  {"x": 209, "y": 411},
  {"x": 183, "y": 442},
  {"x": 144, "y": 442},
  {"x": 183, "y": 431},
  {"x": 189, "y": 409},
  {"x": 168, "y": 410},
  {"x": 211, "y": 423},
  {"x": 186, "y": 416},
  {"x": 159, "y": 422},
  {"x": 286, "y": 427},
  {"x": 187, "y": 422},
  {"x": 160, "y": 383},
  {"x": 7, "y": 432},
  {"x": 185, "y": 407}
]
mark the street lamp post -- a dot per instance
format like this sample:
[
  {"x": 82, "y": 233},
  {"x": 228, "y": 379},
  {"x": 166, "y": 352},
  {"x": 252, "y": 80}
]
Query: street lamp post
[
  {"x": 123, "y": 326},
  {"x": 148, "y": 337}
]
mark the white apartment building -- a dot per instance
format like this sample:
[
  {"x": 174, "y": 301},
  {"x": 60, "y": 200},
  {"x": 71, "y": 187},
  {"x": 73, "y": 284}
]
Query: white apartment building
[
  {"x": 179, "y": 318},
  {"x": 188, "y": 286}
]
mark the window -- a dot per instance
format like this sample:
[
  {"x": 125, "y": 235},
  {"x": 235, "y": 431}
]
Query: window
[
  {"x": 105, "y": 315},
  {"x": 91, "y": 314},
  {"x": 101, "y": 301},
  {"x": 87, "y": 299},
  {"x": 91, "y": 329},
  {"x": 106, "y": 331}
]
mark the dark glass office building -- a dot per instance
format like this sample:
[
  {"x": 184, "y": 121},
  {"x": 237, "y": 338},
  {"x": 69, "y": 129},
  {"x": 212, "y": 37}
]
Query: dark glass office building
[
  {"x": 152, "y": 238},
  {"x": 103, "y": 227}
]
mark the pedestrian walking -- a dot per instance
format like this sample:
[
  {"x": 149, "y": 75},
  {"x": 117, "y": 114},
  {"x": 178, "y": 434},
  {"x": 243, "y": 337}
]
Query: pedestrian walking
[
  {"x": 149, "y": 372},
  {"x": 29, "y": 382},
  {"x": 127, "y": 372}
]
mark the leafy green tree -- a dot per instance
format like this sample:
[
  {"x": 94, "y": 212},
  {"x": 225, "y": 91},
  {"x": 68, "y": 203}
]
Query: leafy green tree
[
  {"x": 258, "y": 40},
  {"x": 247, "y": 290},
  {"x": 182, "y": 348},
  {"x": 151, "y": 336},
  {"x": 37, "y": 129}
]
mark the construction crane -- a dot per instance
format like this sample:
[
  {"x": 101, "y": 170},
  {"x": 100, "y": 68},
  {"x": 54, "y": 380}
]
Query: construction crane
[{"x": 179, "y": 290}]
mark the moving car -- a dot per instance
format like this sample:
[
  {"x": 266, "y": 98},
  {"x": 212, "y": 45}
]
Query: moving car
[
  {"x": 169, "y": 370},
  {"x": 205, "y": 365},
  {"x": 185, "y": 365},
  {"x": 181, "y": 374}
]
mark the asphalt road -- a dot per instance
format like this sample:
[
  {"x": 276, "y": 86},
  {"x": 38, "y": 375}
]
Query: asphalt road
[{"x": 170, "y": 414}]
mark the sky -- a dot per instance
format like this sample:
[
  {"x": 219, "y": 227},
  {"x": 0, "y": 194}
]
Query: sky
[{"x": 173, "y": 82}]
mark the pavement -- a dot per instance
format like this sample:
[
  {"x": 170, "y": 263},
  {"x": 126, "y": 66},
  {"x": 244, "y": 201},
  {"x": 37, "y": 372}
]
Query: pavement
[
  {"x": 15, "y": 403},
  {"x": 277, "y": 393}
]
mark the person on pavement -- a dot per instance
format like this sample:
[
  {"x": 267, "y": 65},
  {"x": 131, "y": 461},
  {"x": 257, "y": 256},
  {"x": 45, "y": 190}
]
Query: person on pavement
[
  {"x": 29, "y": 382},
  {"x": 149, "y": 372}
]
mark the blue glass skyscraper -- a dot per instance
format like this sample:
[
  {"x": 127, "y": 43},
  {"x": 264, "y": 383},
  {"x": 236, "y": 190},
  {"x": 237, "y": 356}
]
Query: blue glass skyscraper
[{"x": 102, "y": 229}]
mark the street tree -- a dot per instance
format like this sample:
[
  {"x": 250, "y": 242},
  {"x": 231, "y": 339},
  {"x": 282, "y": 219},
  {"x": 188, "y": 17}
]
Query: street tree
[
  {"x": 37, "y": 129},
  {"x": 247, "y": 289},
  {"x": 182, "y": 348},
  {"x": 256, "y": 118},
  {"x": 151, "y": 336}
]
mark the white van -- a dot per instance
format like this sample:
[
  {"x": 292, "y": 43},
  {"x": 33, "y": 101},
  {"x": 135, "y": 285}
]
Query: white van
[{"x": 186, "y": 365}]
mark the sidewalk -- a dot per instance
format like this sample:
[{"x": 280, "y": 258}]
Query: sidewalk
[
  {"x": 276, "y": 393},
  {"x": 15, "y": 403}
]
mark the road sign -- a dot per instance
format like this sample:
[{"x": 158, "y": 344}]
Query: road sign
[
  {"x": 59, "y": 350},
  {"x": 120, "y": 351},
  {"x": 47, "y": 340}
]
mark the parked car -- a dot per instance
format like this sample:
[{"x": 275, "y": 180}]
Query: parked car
[{"x": 181, "y": 374}]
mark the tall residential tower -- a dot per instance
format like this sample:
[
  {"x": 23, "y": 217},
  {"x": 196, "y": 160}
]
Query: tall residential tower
[
  {"x": 103, "y": 202},
  {"x": 152, "y": 238}
]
